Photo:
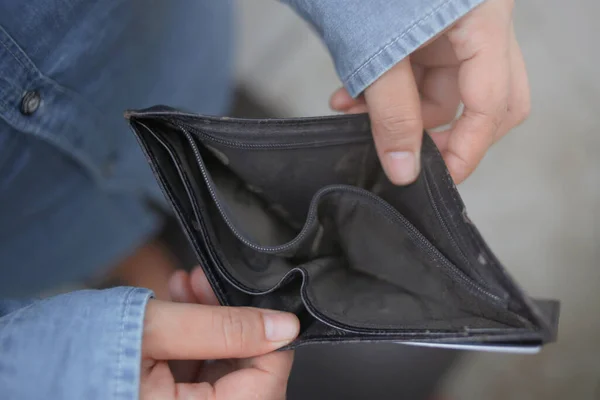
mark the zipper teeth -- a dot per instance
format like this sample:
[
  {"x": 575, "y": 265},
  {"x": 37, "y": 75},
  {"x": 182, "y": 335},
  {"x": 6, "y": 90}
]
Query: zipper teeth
[
  {"x": 235, "y": 144},
  {"x": 414, "y": 233},
  {"x": 447, "y": 231},
  {"x": 213, "y": 194}
]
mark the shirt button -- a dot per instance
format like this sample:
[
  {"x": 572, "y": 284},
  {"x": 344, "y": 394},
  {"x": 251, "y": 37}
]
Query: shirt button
[{"x": 30, "y": 102}]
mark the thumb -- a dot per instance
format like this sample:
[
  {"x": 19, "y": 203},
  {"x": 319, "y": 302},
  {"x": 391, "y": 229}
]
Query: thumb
[
  {"x": 176, "y": 331},
  {"x": 395, "y": 110}
]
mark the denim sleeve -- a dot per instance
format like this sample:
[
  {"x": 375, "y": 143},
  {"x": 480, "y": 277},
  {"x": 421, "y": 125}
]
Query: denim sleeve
[
  {"x": 368, "y": 37},
  {"x": 80, "y": 345}
]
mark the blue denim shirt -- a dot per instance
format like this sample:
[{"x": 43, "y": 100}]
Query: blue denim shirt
[{"x": 71, "y": 176}]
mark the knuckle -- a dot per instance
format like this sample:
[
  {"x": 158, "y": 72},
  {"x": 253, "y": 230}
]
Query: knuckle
[
  {"x": 393, "y": 124},
  {"x": 460, "y": 168},
  {"x": 501, "y": 112},
  {"x": 491, "y": 120},
  {"x": 396, "y": 130},
  {"x": 523, "y": 112},
  {"x": 232, "y": 324}
]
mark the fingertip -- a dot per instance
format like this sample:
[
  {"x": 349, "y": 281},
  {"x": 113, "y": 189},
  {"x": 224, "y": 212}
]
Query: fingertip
[
  {"x": 202, "y": 289},
  {"x": 176, "y": 285},
  {"x": 278, "y": 363},
  {"x": 402, "y": 167},
  {"x": 357, "y": 109},
  {"x": 396, "y": 121},
  {"x": 280, "y": 327},
  {"x": 341, "y": 100}
]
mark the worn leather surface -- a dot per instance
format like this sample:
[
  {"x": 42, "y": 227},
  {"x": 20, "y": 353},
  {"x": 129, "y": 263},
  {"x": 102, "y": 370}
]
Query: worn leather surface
[{"x": 297, "y": 215}]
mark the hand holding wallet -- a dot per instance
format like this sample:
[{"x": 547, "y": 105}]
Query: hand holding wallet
[{"x": 297, "y": 215}]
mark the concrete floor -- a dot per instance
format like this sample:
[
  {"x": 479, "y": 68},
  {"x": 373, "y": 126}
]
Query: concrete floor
[{"x": 536, "y": 196}]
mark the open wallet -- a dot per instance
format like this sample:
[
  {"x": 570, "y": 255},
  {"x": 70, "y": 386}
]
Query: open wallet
[{"x": 297, "y": 215}]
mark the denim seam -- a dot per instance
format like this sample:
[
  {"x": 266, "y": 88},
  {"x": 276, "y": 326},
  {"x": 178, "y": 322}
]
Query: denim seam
[
  {"x": 411, "y": 28},
  {"x": 6, "y": 319},
  {"x": 357, "y": 83},
  {"x": 34, "y": 75},
  {"x": 120, "y": 343},
  {"x": 23, "y": 59}
]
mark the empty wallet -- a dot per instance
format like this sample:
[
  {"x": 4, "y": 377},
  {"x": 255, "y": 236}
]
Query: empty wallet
[{"x": 297, "y": 215}]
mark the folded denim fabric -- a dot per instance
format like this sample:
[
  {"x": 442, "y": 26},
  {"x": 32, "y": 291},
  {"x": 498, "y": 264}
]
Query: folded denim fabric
[{"x": 298, "y": 215}]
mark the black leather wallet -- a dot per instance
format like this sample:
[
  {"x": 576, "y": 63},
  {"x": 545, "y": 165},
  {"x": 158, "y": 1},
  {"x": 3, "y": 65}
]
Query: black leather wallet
[{"x": 297, "y": 215}]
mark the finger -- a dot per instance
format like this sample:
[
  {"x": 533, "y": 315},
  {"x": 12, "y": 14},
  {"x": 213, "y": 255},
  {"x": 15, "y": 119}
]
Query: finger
[
  {"x": 185, "y": 370},
  {"x": 519, "y": 99},
  {"x": 436, "y": 53},
  {"x": 278, "y": 363},
  {"x": 156, "y": 381},
  {"x": 201, "y": 288},
  {"x": 418, "y": 73},
  {"x": 192, "y": 391},
  {"x": 266, "y": 378},
  {"x": 358, "y": 109},
  {"x": 441, "y": 138},
  {"x": 440, "y": 96},
  {"x": 180, "y": 289},
  {"x": 395, "y": 111},
  {"x": 341, "y": 100},
  {"x": 217, "y": 369},
  {"x": 174, "y": 331},
  {"x": 480, "y": 41}
]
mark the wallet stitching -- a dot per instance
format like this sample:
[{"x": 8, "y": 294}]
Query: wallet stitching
[
  {"x": 458, "y": 204},
  {"x": 291, "y": 145},
  {"x": 449, "y": 234},
  {"x": 285, "y": 122},
  {"x": 480, "y": 245}
]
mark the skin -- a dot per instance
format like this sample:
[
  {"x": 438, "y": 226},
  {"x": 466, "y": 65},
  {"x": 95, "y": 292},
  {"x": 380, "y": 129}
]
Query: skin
[{"x": 478, "y": 62}]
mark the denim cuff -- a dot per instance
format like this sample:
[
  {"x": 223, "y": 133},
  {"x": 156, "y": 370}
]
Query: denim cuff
[
  {"x": 367, "y": 38},
  {"x": 80, "y": 345},
  {"x": 402, "y": 45},
  {"x": 128, "y": 345}
]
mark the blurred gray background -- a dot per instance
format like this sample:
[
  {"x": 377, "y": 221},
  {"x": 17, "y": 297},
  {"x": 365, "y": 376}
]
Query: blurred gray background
[{"x": 535, "y": 197}]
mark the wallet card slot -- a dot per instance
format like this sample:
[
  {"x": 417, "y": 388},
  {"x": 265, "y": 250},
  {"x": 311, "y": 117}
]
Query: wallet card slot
[
  {"x": 292, "y": 134},
  {"x": 184, "y": 210},
  {"x": 389, "y": 278},
  {"x": 402, "y": 228}
]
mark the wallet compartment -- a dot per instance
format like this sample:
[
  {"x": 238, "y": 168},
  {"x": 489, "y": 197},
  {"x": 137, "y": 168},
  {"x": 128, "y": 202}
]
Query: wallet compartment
[{"x": 343, "y": 287}]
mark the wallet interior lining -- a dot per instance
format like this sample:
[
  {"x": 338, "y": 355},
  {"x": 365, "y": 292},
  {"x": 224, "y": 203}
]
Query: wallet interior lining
[
  {"x": 346, "y": 153},
  {"x": 338, "y": 286}
]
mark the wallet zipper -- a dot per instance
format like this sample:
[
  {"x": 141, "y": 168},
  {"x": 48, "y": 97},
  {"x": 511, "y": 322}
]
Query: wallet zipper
[
  {"x": 449, "y": 235},
  {"x": 415, "y": 235},
  {"x": 245, "y": 145}
]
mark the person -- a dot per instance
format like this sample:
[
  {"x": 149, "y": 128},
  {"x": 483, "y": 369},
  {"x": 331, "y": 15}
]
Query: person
[{"x": 79, "y": 201}]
